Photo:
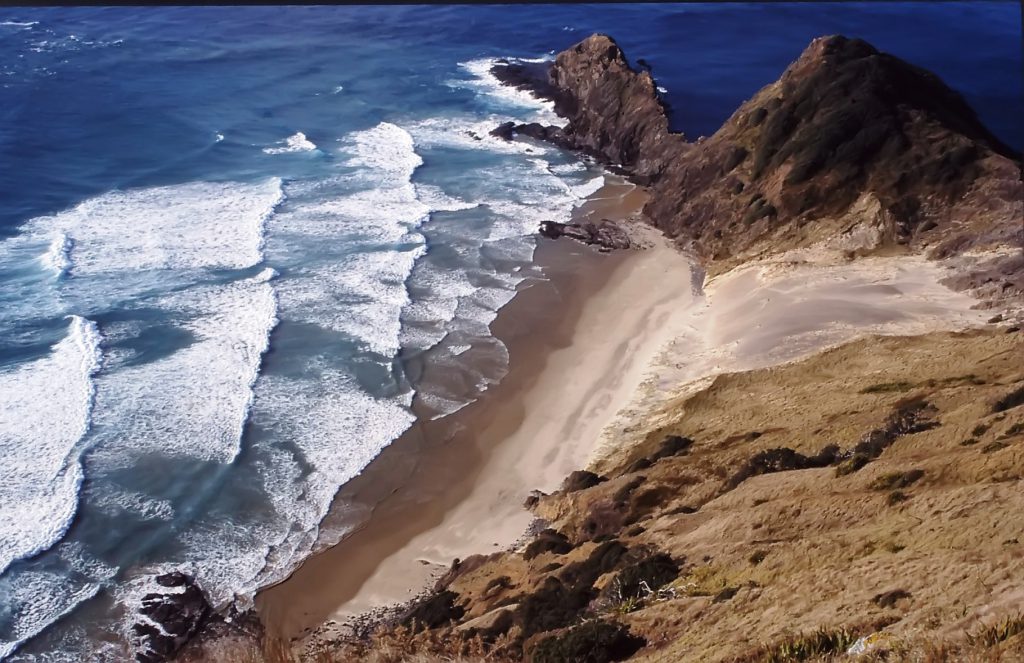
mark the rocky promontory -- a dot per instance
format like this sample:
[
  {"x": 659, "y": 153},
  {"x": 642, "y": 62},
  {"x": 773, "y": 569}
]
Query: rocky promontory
[{"x": 851, "y": 147}]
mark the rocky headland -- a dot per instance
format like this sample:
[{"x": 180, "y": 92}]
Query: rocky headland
[
  {"x": 851, "y": 149},
  {"x": 851, "y": 503}
]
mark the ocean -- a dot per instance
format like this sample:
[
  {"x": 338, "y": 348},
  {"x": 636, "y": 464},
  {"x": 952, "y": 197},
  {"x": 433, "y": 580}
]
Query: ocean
[{"x": 231, "y": 237}]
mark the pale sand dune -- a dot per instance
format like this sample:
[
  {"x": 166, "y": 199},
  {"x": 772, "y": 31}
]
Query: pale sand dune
[{"x": 786, "y": 308}]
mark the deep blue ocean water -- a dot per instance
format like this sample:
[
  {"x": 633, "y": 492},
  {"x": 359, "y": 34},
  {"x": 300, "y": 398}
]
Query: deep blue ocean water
[{"x": 225, "y": 233}]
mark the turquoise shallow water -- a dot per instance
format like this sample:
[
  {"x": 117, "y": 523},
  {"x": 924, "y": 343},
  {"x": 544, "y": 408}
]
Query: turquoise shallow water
[{"x": 225, "y": 232}]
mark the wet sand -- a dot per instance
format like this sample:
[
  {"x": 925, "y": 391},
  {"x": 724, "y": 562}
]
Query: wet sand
[{"x": 579, "y": 345}]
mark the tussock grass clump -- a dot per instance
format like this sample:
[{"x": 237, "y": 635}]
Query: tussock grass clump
[
  {"x": 436, "y": 610},
  {"x": 581, "y": 480},
  {"x": 852, "y": 464},
  {"x": 910, "y": 416},
  {"x": 553, "y": 606},
  {"x": 780, "y": 460},
  {"x": 890, "y": 598},
  {"x": 805, "y": 646},
  {"x": 1013, "y": 431},
  {"x": 604, "y": 517},
  {"x": 887, "y": 387},
  {"x": 896, "y": 497},
  {"x": 1010, "y": 400},
  {"x": 644, "y": 577},
  {"x": 992, "y": 447},
  {"x": 896, "y": 480},
  {"x": 593, "y": 641},
  {"x": 623, "y": 494},
  {"x": 497, "y": 585},
  {"x": 990, "y": 636}
]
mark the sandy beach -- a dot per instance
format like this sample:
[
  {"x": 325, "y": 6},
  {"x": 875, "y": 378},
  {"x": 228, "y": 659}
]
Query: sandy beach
[
  {"x": 595, "y": 353},
  {"x": 579, "y": 345}
]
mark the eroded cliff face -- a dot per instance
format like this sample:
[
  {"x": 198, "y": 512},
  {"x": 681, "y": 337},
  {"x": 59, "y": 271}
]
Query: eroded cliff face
[{"x": 850, "y": 145}]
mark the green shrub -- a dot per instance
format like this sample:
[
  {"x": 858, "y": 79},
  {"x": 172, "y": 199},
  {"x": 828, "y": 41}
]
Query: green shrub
[{"x": 592, "y": 642}]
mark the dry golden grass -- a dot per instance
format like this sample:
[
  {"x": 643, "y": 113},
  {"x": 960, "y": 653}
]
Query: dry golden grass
[{"x": 786, "y": 565}]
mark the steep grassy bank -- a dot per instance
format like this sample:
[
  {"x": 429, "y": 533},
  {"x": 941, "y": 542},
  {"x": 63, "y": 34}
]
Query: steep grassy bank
[{"x": 784, "y": 513}]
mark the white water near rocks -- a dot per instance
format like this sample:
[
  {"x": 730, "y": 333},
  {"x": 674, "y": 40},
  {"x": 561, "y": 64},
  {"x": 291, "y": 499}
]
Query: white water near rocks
[{"x": 194, "y": 288}]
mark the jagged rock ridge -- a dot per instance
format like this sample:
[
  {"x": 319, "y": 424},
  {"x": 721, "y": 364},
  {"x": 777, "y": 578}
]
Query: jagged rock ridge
[{"x": 847, "y": 136}]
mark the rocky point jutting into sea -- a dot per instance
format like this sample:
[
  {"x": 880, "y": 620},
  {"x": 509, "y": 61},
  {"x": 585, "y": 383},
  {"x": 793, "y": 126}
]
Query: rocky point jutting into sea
[{"x": 854, "y": 498}]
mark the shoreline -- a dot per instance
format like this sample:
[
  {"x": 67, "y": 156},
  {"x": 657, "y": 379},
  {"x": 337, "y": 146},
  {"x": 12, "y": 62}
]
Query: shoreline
[{"x": 455, "y": 486}]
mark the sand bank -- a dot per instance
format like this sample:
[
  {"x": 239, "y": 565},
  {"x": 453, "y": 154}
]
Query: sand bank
[{"x": 579, "y": 345}]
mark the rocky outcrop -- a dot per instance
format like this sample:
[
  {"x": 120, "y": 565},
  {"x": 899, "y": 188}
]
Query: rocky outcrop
[
  {"x": 171, "y": 618},
  {"x": 849, "y": 143},
  {"x": 605, "y": 235}
]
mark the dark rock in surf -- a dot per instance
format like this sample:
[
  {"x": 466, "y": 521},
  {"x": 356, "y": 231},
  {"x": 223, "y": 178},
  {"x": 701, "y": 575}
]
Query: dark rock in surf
[
  {"x": 606, "y": 236},
  {"x": 505, "y": 131},
  {"x": 171, "y": 618}
]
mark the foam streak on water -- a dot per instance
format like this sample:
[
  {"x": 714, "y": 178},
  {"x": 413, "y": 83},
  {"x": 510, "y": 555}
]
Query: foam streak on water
[
  {"x": 360, "y": 289},
  {"x": 193, "y": 403},
  {"x": 46, "y": 411},
  {"x": 186, "y": 226}
]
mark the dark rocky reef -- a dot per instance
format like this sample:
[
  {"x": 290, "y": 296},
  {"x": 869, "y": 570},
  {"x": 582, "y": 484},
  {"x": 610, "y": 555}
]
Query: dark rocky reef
[
  {"x": 847, "y": 136},
  {"x": 605, "y": 235},
  {"x": 172, "y": 618}
]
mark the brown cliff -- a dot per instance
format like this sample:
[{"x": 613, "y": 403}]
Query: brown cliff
[{"x": 849, "y": 142}]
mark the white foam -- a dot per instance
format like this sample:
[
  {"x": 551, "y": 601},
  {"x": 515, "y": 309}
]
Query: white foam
[
  {"x": 360, "y": 288},
  {"x": 337, "y": 89},
  {"x": 218, "y": 137},
  {"x": 662, "y": 90},
  {"x": 325, "y": 417},
  {"x": 20, "y": 24},
  {"x": 387, "y": 151},
  {"x": 37, "y": 599},
  {"x": 185, "y": 226},
  {"x": 588, "y": 188},
  {"x": 484, "y": 82},
  {"x": 297, "y": 142},
  {"x": 193, "y": 403},
  {"x": 361, "y": 296},
  {"x": 46, "y": 411},
  {"x": 58, "y": 256},
  {"x": 114, "y": 503},
  {"x": 462, "y": 132},
  {"x": 439, "y": 201},
  {"x": 338, "y": 428}
]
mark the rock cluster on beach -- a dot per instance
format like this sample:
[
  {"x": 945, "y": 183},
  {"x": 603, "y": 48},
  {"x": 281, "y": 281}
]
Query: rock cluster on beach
[
  {"x": 605, "y": 235},
  {"x": 849, "y": 144},
  {"x": 170, "y": 619}
]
